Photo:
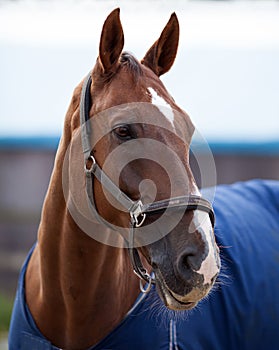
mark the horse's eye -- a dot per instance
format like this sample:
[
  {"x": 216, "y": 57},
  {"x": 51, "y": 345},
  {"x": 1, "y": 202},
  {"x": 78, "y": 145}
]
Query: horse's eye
[{"x": 123, "y": 132}]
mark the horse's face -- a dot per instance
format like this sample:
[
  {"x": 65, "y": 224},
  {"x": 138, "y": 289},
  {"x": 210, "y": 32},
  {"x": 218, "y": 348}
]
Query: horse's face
[{"x": 184, "y": 257}]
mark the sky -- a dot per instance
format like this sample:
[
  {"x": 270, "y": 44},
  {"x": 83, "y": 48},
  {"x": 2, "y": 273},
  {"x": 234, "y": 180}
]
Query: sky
[{"x": 225, "y": 75}]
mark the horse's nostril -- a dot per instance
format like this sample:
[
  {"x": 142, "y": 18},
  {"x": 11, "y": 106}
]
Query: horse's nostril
[
  {"x": 186, "y": 263},
  {"x": 189, "y": 261}
]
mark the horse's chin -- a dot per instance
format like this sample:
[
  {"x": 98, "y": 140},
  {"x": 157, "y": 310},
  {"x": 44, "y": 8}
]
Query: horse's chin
[{"x": 176, "y": 302}]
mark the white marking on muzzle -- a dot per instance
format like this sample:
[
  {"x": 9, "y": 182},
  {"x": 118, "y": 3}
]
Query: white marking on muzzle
[
  {"x": 162, "y": 105},
  {"x": 210, "y": 265}
]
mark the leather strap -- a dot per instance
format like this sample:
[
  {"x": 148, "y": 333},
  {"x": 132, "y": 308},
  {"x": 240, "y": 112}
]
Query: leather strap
[
  {"x": 85, "y": 105},
  {"x": 127, "y": 203},
  {"x": 186, "y": 203}
]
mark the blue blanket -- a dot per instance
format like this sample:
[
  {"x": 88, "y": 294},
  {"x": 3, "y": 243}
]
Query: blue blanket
[{"x": 241, "y": 314}]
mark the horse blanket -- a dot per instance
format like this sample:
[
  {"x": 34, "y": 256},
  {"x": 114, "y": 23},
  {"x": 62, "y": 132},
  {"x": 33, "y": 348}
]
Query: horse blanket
[{"x": 241, "y": 314}]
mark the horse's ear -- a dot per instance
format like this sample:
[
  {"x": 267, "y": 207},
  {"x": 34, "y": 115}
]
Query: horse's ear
[
  {"x": 160, "y": 57},
  {"x": 111, "y": 43}
]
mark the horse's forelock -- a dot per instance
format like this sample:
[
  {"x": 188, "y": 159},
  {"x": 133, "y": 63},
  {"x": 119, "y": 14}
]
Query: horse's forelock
[{"x": 126, "y": 60}]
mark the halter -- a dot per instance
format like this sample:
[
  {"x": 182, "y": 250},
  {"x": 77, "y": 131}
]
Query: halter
[{"x": 137, "y": 210}]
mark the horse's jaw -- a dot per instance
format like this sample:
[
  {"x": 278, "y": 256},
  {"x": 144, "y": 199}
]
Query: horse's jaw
[{"x": 177, "y": 302}]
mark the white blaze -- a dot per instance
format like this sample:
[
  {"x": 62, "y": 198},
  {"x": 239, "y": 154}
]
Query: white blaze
[
  {"x": 162, "y": 105},
  {"x": 209, "y": 267}
]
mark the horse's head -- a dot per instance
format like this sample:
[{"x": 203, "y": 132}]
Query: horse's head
[{"x": 148, "y": 138}]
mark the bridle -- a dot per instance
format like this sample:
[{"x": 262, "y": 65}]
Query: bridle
[{"x": 137, "y": 210}]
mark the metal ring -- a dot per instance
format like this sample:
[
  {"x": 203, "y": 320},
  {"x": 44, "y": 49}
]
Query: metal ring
[
  {"x": 91, "y": 158},
  {"x": 148, "y": 287},
  {"x": 137, "y": 224}
]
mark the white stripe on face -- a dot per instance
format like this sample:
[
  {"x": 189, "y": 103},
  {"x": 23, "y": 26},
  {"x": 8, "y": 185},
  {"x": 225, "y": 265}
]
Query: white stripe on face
[
  {"x": 210, "y": 266},
  {"x": 162, "y": 105}
]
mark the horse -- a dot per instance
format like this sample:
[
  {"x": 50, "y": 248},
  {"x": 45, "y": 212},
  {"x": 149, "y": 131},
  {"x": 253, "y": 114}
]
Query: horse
[{"x": 126, "y": 235}]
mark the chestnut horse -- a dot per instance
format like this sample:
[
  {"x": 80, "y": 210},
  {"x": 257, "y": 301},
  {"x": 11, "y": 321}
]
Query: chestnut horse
[
  {"x": 122, "y": 199},
  {"x": 77, "y": 288}
]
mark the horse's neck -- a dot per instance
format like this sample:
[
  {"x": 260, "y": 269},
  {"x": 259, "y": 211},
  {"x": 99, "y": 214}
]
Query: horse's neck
[{"x": 77, "y": 289}]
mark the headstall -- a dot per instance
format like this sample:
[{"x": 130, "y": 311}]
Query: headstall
[{"x": 137, "y": 210}]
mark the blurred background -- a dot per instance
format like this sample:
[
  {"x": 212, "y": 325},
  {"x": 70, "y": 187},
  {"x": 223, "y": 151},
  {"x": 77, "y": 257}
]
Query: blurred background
[{"x": 225, "y": 76}]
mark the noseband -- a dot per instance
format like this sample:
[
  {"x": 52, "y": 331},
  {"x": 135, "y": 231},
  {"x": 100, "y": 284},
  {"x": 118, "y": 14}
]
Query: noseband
[{"x": 137, "y": 210}]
